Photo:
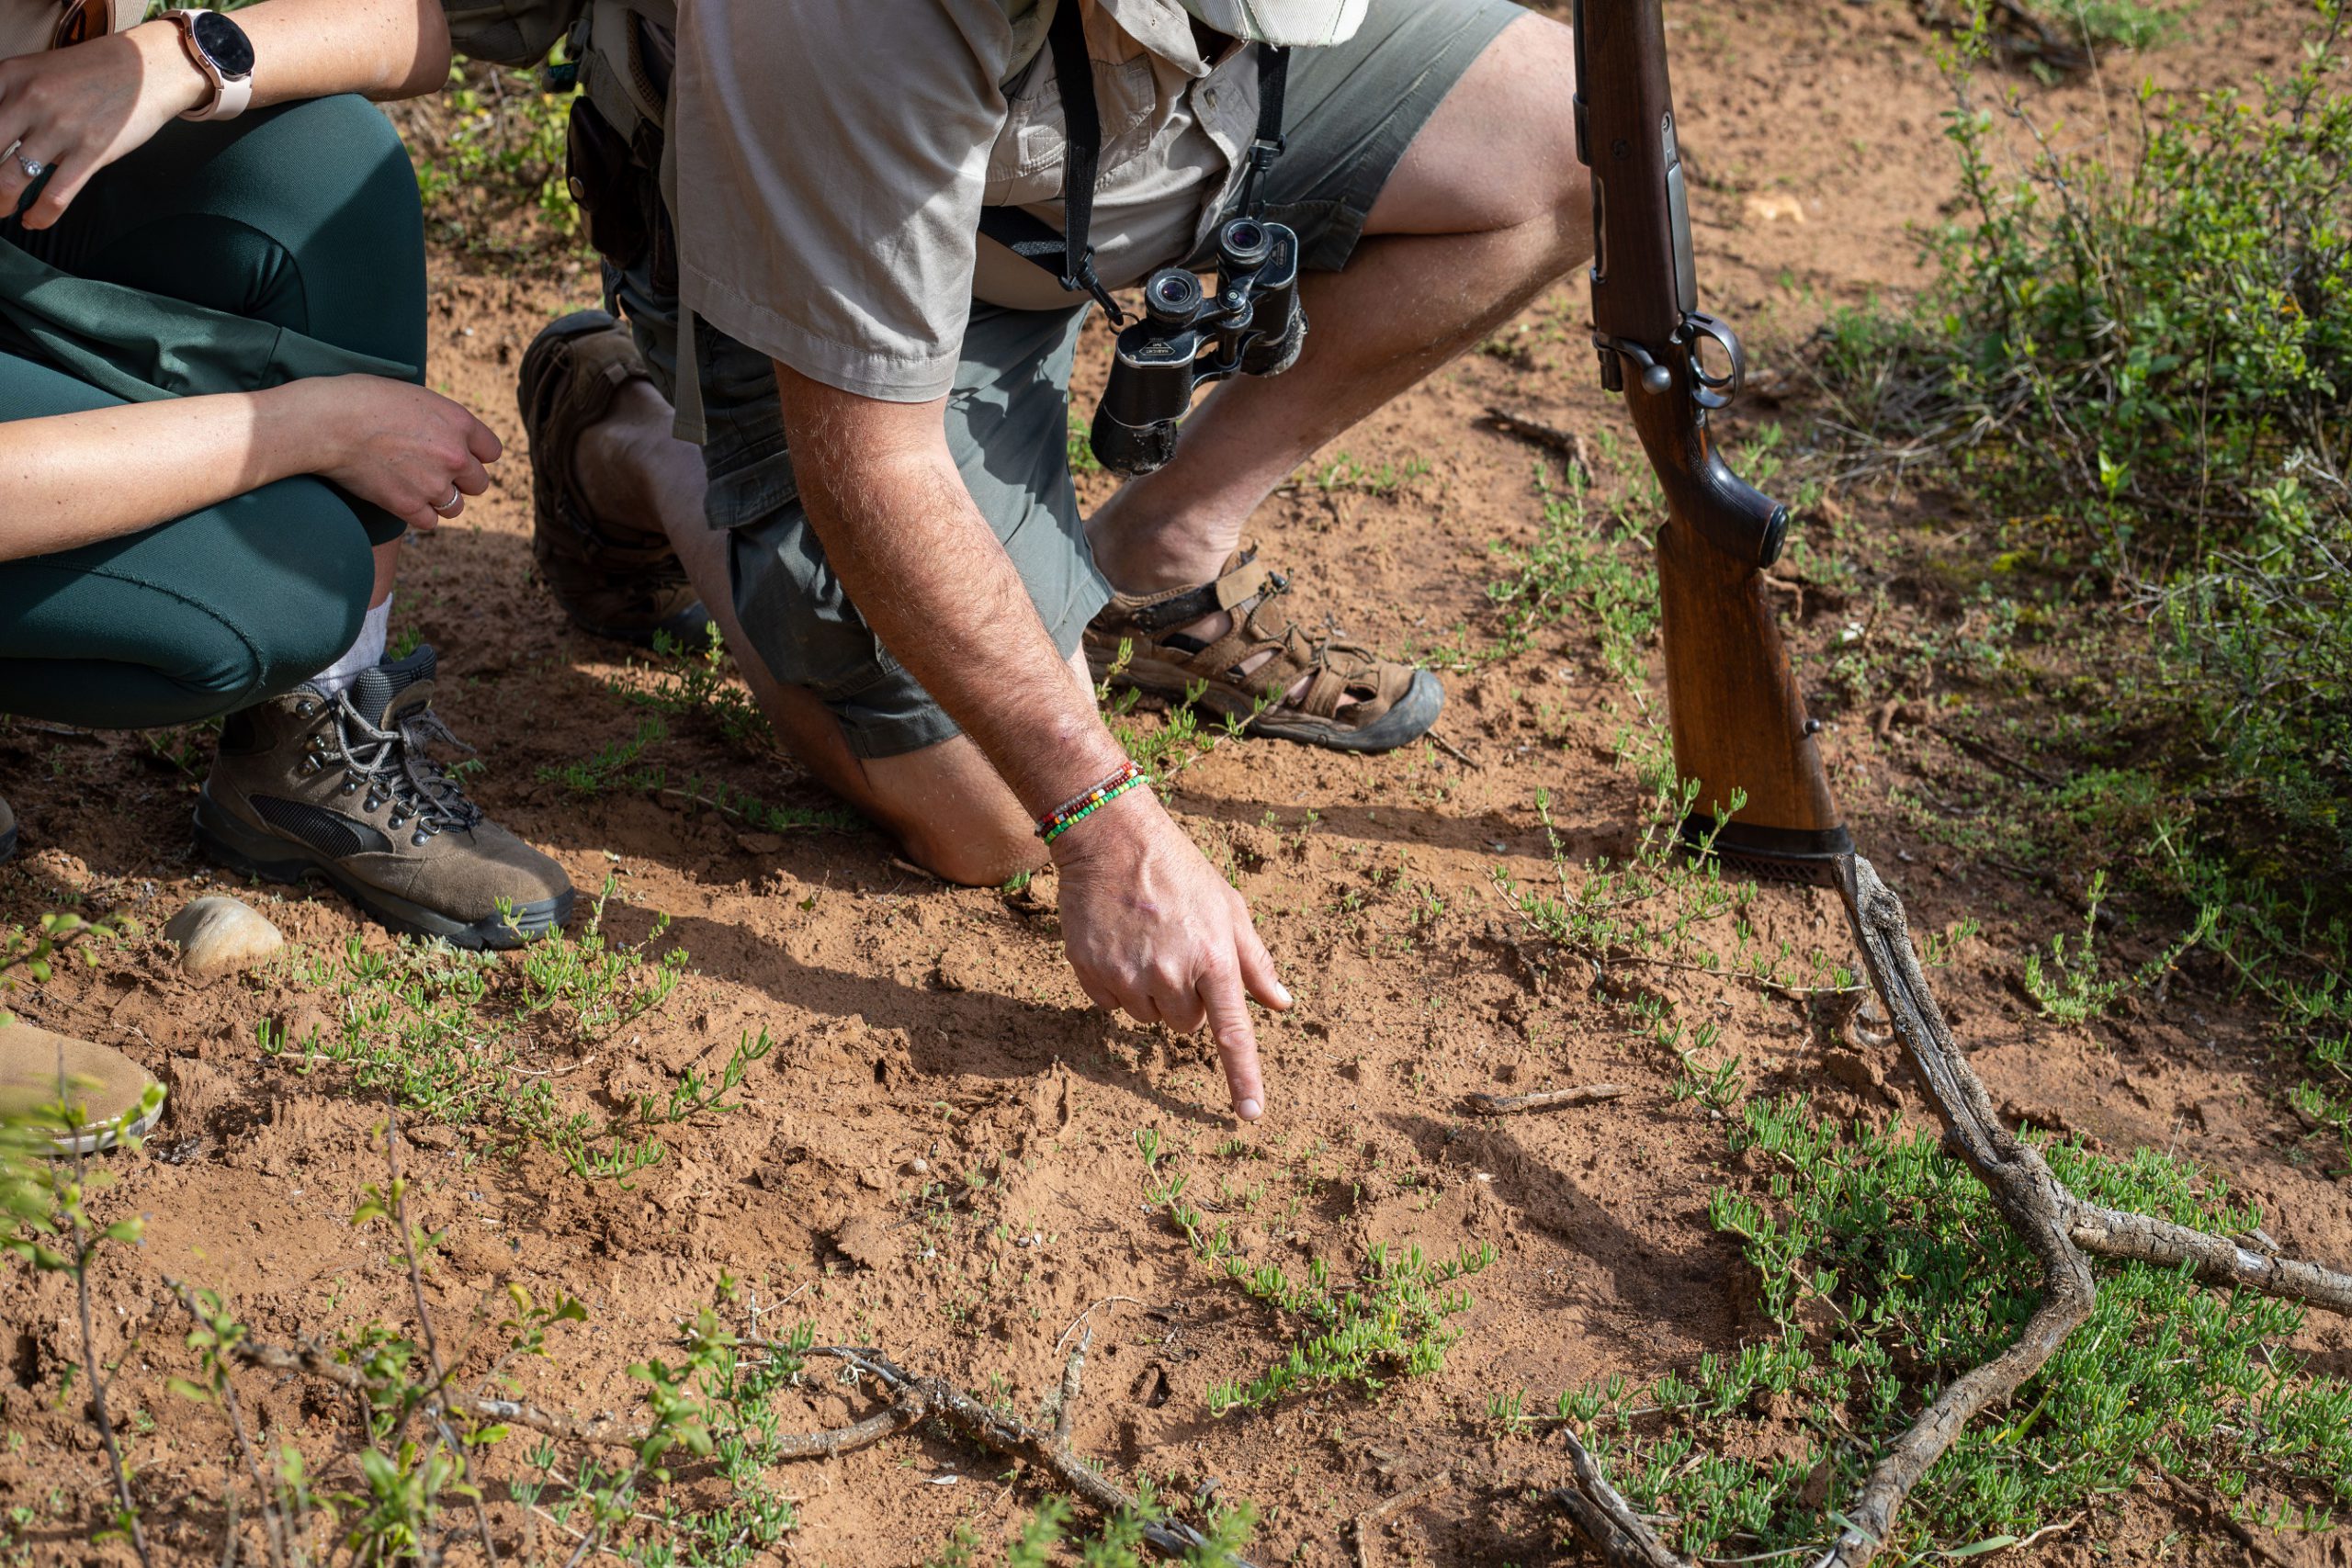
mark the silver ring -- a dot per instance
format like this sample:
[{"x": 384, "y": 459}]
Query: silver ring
[
  {"x": 34, "y": 168},
  {"x": 452, "y": 506}
]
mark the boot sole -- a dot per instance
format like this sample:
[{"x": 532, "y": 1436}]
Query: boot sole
[
  {"x": 542, "y": 361},
  {"x": 99, "y": 1139},
  {"x": 690, "y": 627},
  {"x": 251, "y": 853}
]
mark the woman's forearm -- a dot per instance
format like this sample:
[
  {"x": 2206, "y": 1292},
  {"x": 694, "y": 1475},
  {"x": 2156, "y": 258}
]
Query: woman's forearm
[
  {"x": 382, "y": 49},
  {"x": 75, "y": 478},
  {"x": 310, "y": 48}
]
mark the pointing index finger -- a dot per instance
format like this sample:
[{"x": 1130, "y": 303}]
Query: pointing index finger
[{"x": 1236, "y": 1042}]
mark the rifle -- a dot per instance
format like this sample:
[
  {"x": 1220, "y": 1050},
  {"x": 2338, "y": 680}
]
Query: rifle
[
  {"x": 1739, "y": 725},
  {"x": 1738, "y": 718}
]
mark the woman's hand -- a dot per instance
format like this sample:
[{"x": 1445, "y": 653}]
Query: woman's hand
[
  {"x": 79, "y": 108},
  {"x": 413, "y": 453}
]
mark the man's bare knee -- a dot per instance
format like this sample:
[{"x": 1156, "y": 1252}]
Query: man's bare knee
[
  {"x": 982, "y": 855},
  {"x": 1497, "y": 154},
  {"x": 951, "y": 814}
]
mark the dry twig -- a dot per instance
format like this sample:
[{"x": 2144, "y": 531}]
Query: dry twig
[
  {"x": 938, "y": 1399},
  {"x": 1457, "y": 752},
  {"x": 913, "y": 1400},
  {"x": 1566, "y": 443},
  {"x": 1379, "y": 1513},
  {"x": 2056, "y": 1226},
  {"x": 1542, "y": 1099}
]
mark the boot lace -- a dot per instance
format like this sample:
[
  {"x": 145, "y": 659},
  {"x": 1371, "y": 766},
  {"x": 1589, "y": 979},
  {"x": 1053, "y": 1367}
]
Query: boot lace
[{"x": 395, "y": 765}]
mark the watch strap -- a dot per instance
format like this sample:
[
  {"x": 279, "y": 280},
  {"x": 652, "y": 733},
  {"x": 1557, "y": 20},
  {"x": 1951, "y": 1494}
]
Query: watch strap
[{"x": 232, "y": 96}]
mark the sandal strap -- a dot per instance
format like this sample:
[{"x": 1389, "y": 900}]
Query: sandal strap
[
  {"x": 1335, "y": 671},
  {"x": 1236, "y": 591}
]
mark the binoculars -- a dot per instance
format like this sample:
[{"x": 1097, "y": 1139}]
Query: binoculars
[{"x": 1253, "y": 325}]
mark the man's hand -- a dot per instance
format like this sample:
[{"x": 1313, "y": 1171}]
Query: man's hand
[
  {"x": 1151, "y": 929},
  {"x": 1149, "y": 925}
]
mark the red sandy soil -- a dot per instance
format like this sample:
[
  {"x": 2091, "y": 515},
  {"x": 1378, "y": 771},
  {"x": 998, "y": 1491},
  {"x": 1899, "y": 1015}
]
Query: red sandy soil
[{"x": 917, "y": 1021}]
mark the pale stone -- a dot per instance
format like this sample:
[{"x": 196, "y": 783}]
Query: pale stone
[{"x": 218, "y": 935}]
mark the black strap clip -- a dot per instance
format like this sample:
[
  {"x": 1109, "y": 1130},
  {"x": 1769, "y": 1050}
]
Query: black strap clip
[{"x": 1068, "y": 255}]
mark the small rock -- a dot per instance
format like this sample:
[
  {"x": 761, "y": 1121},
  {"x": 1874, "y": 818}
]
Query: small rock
[
  {"x": 759, "y": 844},
  {"x": 1772, "y": 209},
  {"x": 218, "y": 935},
  {"x": 863, "y": 1242}
]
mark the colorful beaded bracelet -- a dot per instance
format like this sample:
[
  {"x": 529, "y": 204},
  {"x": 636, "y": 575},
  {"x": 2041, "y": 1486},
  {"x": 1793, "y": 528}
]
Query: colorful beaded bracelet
[{"x": 1078, "y": 807}]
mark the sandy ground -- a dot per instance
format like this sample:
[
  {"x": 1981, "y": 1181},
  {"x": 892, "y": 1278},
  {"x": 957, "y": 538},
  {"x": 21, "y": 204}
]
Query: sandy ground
[{"x": 919, "y": 1023}]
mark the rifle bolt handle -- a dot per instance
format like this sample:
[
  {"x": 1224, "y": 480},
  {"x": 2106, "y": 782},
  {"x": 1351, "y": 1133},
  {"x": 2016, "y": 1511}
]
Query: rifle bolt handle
[{"x": 1657, "y": 378}]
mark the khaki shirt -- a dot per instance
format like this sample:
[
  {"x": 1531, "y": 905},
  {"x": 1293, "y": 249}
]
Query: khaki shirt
[{"x": 841, "y": 150}]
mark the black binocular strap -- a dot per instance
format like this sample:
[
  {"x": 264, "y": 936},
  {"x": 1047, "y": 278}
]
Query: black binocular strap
[{"x": 1066, "y": 254}]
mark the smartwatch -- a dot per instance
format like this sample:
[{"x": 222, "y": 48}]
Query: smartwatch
[{"x": 217, "y": 46}]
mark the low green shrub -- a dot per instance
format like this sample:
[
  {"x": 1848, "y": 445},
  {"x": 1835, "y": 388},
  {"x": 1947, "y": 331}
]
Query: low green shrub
[{"x": 1883, "y": 1270}]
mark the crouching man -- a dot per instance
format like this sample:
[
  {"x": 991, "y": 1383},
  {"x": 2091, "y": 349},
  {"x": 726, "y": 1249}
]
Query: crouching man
[{"x": 801, "y": 207}]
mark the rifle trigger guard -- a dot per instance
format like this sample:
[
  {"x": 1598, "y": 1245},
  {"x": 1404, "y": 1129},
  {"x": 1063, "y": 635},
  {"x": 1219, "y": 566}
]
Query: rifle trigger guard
[{"x": 1713, "y": 391}]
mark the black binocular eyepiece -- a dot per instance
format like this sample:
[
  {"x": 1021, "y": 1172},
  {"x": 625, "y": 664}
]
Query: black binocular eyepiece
[
  {"x": 1253, "y": 325},
  {"x": 1172, "y": 295}
]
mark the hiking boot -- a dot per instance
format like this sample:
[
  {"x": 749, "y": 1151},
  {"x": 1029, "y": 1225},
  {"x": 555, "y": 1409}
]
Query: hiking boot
[
  {"x": 613, "y": 576},
  {"x": 340, "y": 787},
  {"x": 102, "y": 1097},
  {"x": 1347, "y": 698}
]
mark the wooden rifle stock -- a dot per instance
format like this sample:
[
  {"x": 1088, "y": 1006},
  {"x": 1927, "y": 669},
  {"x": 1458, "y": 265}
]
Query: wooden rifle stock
[{"x": 1738, "y": 720}]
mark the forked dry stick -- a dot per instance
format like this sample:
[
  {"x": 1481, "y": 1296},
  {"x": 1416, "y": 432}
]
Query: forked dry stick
[
  {"x": 913, "y": 1401},
  {"x": 1016, "y": 1438},
  {"x": 2057, "y": 1226}
]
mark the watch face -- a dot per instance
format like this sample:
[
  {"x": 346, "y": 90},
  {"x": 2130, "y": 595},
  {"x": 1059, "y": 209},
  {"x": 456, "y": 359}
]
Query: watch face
[{"x": 224, "y": 44}]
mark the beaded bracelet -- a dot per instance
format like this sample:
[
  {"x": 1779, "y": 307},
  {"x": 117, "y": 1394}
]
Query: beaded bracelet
[{"x": 1078, "y": 807}]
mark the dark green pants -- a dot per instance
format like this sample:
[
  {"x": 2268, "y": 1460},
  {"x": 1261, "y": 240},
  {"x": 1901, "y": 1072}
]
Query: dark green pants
[{"x": 305, "y": 216}]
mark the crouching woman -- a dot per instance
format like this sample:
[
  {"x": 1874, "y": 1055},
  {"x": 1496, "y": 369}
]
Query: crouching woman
[{"x": 214, "y": 436}]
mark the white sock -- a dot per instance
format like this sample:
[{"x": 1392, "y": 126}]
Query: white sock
[{"x": 365, "y": 654}]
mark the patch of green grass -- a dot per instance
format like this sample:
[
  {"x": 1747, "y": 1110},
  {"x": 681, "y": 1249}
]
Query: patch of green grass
[
  {"x": 1180, "y": 738},
  {"x": 2070, "y": 990},
  {"x": 1883, "y": 1270},
  {"x": 1043, "y": 1540},
  {"x": 1081, "y": 446},
  {"x": 1573, "y": 574},
  {"x": 1389, "y": 1323},
  {"x": 448, "y": 1035},
  {"x": 408, "y": 1470},
  {"x": 623, "y": 767},
  {"x": 696, "y": 685},
  {"x": 2131, "y": 24},
  {"x": 491, "y": 161},
  {"x": 1346, "y": 472}
]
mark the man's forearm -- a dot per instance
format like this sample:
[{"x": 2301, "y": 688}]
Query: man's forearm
[{"x": 931, "y": 578}]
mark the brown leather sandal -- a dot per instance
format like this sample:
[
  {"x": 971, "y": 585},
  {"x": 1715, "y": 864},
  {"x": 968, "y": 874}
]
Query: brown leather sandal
[
  {"x": 1354, "y": 701},
  {"x": 611, "y": 580}
]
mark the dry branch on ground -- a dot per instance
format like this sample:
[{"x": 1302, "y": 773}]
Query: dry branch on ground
[{"x": 2059, "y": 1229}]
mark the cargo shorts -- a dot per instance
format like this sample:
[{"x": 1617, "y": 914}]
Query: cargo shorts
[{"x": 1352, "y": 111}]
